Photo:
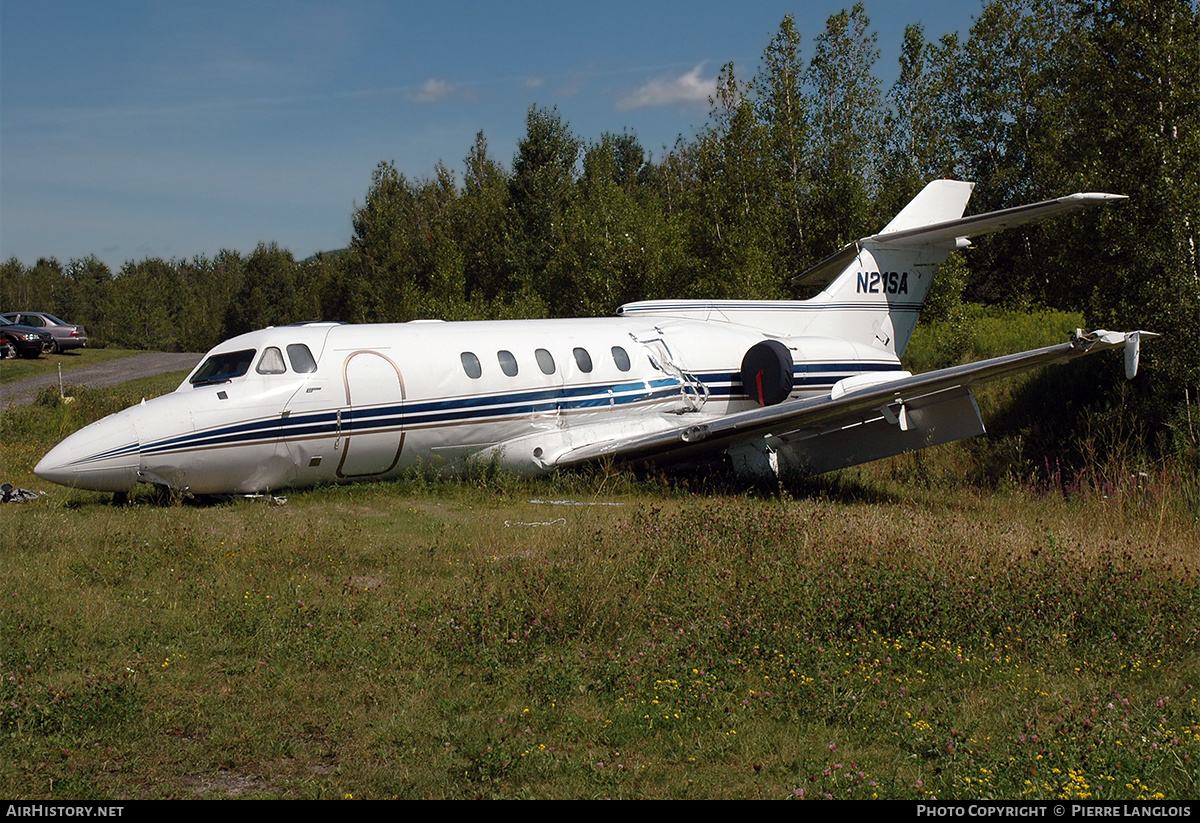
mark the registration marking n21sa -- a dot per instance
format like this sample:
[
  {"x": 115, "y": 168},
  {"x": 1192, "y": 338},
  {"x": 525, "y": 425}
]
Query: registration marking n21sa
[{"x": 887, "y": 282}]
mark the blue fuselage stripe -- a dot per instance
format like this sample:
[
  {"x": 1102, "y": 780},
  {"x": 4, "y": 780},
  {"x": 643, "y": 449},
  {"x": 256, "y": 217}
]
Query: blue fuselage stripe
[{"x": 479, "y": 409}]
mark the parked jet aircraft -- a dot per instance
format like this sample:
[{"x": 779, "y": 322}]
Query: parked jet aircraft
[{"x": 813, "y": 384}]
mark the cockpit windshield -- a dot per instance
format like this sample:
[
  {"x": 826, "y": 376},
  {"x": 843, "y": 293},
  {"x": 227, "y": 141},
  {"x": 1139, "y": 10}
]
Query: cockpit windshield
[{"x": 221, "y": 368}]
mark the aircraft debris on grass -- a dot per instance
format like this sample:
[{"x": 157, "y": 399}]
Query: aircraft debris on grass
[{"x": 810, "y": 385}]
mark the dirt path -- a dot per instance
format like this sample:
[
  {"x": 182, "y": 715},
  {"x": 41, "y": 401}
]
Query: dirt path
[{"x": 110, "y": 373}]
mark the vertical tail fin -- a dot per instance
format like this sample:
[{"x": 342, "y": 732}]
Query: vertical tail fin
[
  {"x": 877, "y": 285},
  {"x": 939, "y": 202}
]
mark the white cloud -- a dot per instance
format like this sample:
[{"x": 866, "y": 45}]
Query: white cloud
[
  {"x": 666, "y": 91},
  {"x": 432, "y": 91}
]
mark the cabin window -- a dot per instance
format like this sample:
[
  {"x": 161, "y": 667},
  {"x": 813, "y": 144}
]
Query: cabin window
[
  {"x": 621, "y": 358},
  {"x": 583, "y": 360},
  {"x": 271, "y": 362},
  {"x": 221, "y": 368},
  {"x": 508, "y": 363},
  {"x": 471, "y": 365},
  {"x": 545, "y": 361},
  {"x": 301, "y": 358}
]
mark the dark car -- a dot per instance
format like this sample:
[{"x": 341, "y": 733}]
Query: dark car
[
  {"x": 27, "y": 341},
  {"x": 66, "y": 335}
]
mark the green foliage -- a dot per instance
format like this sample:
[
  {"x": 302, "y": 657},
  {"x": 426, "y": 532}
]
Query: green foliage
[
  {"x": 82, "y": 292},
  {"x": 968, "y": 331},
  {"x": 22, "y": 288},
  {"x": 212, "y": 288},
  {"x": 270, "y": 294},
  {"x": 388, "y": 253},
  {"x": 784, "y": 106},
  {"x": 847, "y": 120},
  {"x": 142, "y": 304},
  {"x": 542, "y": 192},
  {"x": 918, "y": 124},
  {"x": 50, "y": 418},
  {"x": 480, "y": 226}
]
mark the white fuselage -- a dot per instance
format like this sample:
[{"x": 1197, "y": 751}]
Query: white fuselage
[{"x": 376, "y": 400}]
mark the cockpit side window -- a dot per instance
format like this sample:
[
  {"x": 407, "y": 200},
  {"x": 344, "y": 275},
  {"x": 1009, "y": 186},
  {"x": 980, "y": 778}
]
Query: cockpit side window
[
  {"x": 271, "y": 362},
  {"x": 301, "y": 358},
  {"x": 221, "y": 368}
]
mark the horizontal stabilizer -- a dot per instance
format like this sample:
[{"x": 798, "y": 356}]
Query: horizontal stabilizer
[{"x": 908, "y": 231}]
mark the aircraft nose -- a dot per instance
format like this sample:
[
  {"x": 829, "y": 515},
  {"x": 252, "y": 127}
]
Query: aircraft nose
[{"x": 103, "y": 456}]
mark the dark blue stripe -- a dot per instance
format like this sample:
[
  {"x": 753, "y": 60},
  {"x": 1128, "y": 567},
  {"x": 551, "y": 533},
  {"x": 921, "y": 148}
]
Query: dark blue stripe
[
  {"x": 365, "y": 420},
  {"x": 433, "y": 412}
]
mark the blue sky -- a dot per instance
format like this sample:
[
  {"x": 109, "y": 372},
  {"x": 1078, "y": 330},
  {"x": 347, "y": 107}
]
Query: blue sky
[{"x": 171, "y": 129}]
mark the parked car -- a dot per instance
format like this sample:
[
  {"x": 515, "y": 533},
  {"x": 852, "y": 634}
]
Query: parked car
[
  {"x": 66, "y": 335},
  {"x": 7, "y": 349},
  {"x": 26, "y": 340}
]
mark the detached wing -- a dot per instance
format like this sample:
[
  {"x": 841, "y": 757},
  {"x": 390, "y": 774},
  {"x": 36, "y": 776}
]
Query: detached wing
[{"x": 856, "y": 422}]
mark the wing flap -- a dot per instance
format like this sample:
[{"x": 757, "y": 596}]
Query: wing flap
[{"x": 934, "y": 419}]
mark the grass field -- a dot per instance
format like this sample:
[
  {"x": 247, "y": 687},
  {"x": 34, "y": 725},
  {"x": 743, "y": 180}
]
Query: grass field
[
  {"x": 18, "y": 368},
  {"x": 887, "y": 632}
]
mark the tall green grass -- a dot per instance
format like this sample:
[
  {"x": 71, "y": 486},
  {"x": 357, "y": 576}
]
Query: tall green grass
[
  {"x": 976, "y": 332},
  {"x": 458, "y": 640},
  {"x": 21, "y": 368}
]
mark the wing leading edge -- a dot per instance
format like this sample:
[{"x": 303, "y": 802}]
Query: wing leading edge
[{"x": 855, "y": 423}]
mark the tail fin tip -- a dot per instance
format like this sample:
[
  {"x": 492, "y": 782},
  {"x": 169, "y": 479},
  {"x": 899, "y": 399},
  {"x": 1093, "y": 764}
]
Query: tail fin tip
[{"x": 939, "y": 202}]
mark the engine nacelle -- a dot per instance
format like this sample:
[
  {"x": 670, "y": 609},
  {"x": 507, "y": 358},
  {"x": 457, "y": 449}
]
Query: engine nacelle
[
  {"x": 776, "y": 368},
  {"x": 767, "y": 372}
]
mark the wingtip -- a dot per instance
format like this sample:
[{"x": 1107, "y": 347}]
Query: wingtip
[{"x": 1094, "y": 198}]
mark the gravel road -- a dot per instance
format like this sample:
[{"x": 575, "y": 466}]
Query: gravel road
[{"x": 110, "y": 373}]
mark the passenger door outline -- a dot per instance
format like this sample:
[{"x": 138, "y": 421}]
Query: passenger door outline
[{"x": 368, "y": 379}]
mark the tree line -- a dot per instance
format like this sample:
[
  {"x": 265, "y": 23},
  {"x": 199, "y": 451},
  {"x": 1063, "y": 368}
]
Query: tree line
[{"x": 1041, "y": 98}]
